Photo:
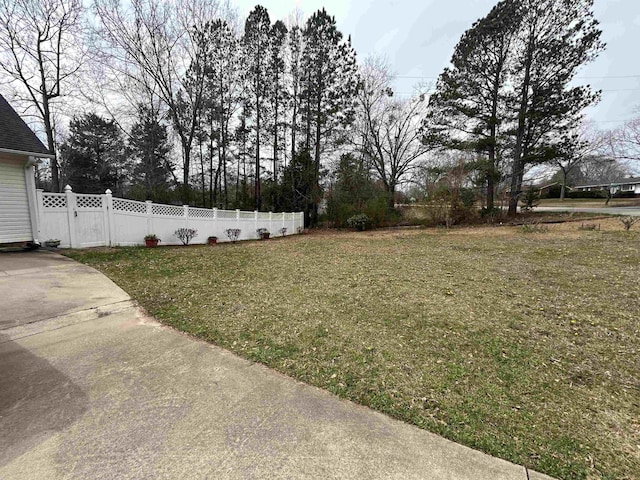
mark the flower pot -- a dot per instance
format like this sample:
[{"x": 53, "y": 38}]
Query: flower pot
[
  {"x": 151, "y": 242},
  {"x": 212, "y": 240},
  {"x": 265, "y": 236}
]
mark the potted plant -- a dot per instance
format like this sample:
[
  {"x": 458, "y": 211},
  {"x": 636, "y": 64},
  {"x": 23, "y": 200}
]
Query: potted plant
[
  {"x": 151, "y": 240},
  {"x": 52, "y": 243},
  {"x": 212, "y": 240},
  {"x": 263, "y": 233}
]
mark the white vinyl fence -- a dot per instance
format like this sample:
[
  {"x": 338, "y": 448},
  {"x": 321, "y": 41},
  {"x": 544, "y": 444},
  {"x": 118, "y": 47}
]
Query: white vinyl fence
[{"x": 82, "y": 220}]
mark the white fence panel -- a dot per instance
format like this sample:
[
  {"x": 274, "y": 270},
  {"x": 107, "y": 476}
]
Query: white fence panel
[
  {"x": 53, "y": 219},
  {"x": 95, "y": 220},
  {"x": 91, "y": 228},
  {"x": 129, "y": 222}
]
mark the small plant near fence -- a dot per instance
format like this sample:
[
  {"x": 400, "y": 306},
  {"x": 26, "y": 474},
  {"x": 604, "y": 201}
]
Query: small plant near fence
[
  {"x": 233, "y": 234},
  {"x": 263, "y": 233},
  {"x": 360, "y": 222},
  {"x": 283, "y": 231},
  {"x": 534, "y": 227},
  {"x": 52, "y": 243},
  {"x": 628, "y": 222},
  {"x": 186, "y": 234},
  {"x": 300, "y": 230},
  {"x": 589, "y": 226}
]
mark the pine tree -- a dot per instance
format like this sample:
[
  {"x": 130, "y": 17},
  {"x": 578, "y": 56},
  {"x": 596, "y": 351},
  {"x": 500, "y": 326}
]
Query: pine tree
[
  {"x": 223, "y": 89},
  {"x": 329, "y": 85},
  {"x": 468, "y": 109},
  {"x": 148, "y": 147},
  {"x": 556, "y": 37},
  {"x": 256, "y": 42},
  {"x": 277, "y": 91},
  {"x": 295, "y": 48},
  {"x": 93, "y": 156}
]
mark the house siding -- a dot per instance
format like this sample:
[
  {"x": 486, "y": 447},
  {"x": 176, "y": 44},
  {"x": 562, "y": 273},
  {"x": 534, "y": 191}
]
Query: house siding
[{"x": 15, "y": 219}]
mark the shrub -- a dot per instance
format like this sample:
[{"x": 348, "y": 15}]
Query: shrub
[
  {"x": 263, "y": 233},
  {"x": 233, "y": 234},
  {"x": 534, "y": 227},
  {"x": 589, "y": 226},
  {"x": 530, "y": 200},
  {"x": 360, "y": 222},
  {"x": 628, "y": 222},
  {"x": 585, "y": 194},
  {"x": 283, "y": 231},
  {"x": 186, "y": 234}
]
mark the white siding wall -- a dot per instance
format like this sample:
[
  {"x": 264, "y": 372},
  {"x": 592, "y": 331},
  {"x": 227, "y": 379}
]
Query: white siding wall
[{"x": 15, "y": 221}]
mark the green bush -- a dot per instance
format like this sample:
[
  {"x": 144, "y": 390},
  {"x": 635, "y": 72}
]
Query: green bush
[
  {"x": 585, "y": 194},
  {"x": 360, "y": 222}
]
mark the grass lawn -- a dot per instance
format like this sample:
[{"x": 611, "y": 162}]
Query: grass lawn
[
  {"x": 523, "y": 345},
  {"x": 589, "y": 202}
]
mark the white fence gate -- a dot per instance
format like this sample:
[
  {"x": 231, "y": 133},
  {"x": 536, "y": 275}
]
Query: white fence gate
[{"x": 83, "y": 220}]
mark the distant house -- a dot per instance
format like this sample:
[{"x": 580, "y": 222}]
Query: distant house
[
  {"x": 631, "y": 184},
  {"x": 20, "y": 150}
]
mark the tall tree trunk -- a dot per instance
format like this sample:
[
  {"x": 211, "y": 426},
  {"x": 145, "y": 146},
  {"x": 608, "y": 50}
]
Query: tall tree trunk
[
  {"x": 293, "y": 128},
  {"x": 563, "y": 187},
  {"x": 275, "y": 137},
  {"x": 517, "y": 170},
  {"x": 257, "y": 203}
]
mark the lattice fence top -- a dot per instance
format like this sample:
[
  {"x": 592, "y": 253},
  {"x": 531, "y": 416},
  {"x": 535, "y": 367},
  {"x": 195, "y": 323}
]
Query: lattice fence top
[
  {"x": 129, "y": 206},
  {"x": 247, "y": 215},
  {"x": 263, "y": 216},
  {"x": 89, "y": 201},
  {"x": 167, "y": 210},
  {"x": 226, "y": 214},
  {"x": 201, "y": 213},
  {"x": 54, "y": 200}
]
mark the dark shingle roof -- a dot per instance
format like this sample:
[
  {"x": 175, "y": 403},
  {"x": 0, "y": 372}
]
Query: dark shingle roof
[{"x": 15, "y": 134}]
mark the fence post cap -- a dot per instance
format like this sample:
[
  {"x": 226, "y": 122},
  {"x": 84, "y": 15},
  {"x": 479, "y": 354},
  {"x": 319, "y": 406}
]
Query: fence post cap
[
  {"x": 68, "y": 188},
  {"x": 149, "y": 201},
  {"x": 108, "y": 191}
]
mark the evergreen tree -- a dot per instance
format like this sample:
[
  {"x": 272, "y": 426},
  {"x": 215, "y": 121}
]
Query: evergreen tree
[
  {"x": 93, "y": 156},
  {"x": 352, "y": 191},
  {"x": 256, "y": 42},
  {"x": 555, "y": 38},
  {"x": 277, "y": 91},
  {"x": 148, "y": 148},
  {"x": 223, "y": 90},
  {"x": 329, "y": 85},
  {"x": 468, "y": 108},
  {"x": 295, "y": 47},
  {"x": 299, "y": 186}
]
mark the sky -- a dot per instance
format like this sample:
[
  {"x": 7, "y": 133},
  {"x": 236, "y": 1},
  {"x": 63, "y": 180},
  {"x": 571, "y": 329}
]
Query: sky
[{"x": 417, "y": 37}]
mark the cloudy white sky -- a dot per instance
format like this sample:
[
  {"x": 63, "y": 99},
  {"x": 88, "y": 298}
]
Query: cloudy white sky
[{"x": 418, "y": 36}]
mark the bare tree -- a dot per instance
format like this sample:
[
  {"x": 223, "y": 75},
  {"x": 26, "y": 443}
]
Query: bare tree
[
  {"x": 584, "y": 145},
  {"x": 155, "y": 43},
  {"x": 625, "y": 141},
  {"x": 390, "y": 135},
  {"x": 40, "y": 51}
]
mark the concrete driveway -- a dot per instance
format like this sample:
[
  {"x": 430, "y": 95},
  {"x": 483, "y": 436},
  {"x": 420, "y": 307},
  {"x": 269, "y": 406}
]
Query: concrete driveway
[{"x": 92, "y": 388}]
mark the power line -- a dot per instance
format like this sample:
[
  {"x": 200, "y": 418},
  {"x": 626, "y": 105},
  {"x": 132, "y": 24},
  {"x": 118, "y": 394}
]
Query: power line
[{"x": 577, "y": 78}]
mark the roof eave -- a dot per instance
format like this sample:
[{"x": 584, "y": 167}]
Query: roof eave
[{"x": 31, "y": 154}]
